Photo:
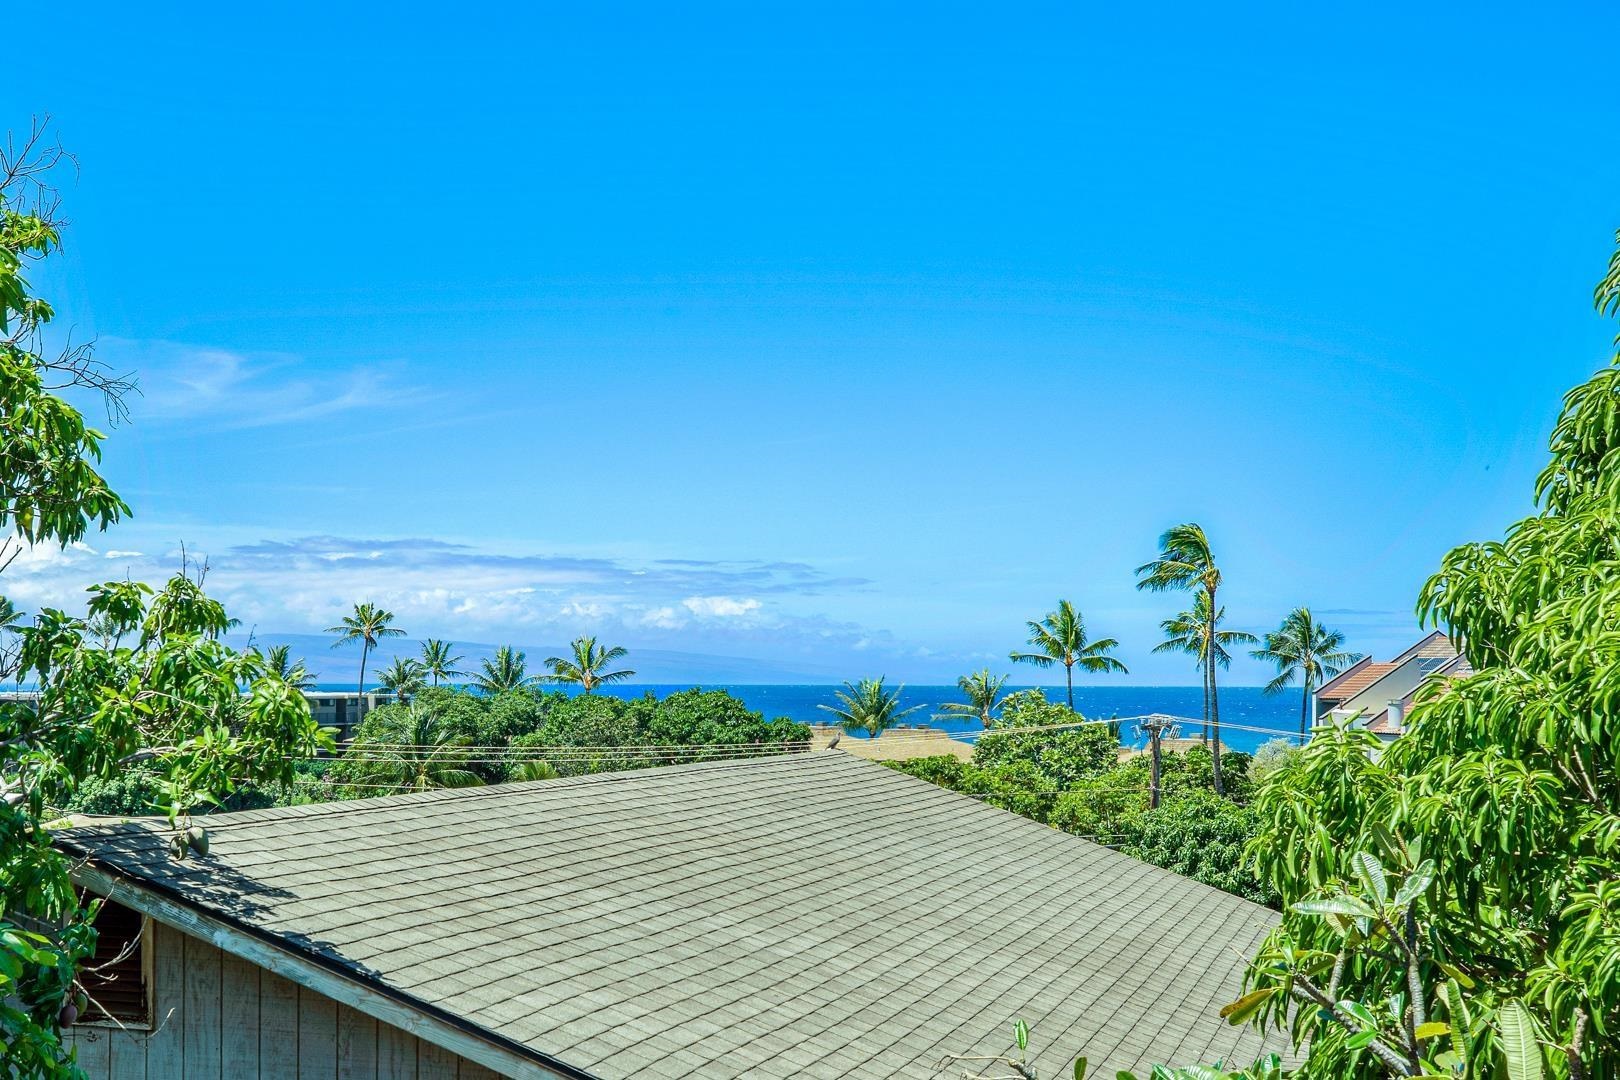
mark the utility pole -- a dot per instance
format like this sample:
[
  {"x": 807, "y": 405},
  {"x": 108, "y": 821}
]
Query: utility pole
[{"x": 1156, "y": 726}]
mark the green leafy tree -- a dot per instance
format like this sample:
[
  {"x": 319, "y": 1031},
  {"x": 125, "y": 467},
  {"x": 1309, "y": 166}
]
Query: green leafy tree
[
  {"x": 1060, "y": 638},
  {"x": 585, "y": 668},
  {"x": 1198, "y": 633},
  {"x": 200, "y": 721},
  {"x": 439, "y": 660},
  {"x": 1303, "y": 648},
  {"x": 1024, "y": 732},
  {"x": 171, "y": 700},
  {"x": 1199, "y": 835},
  {"x": 409, "y": 748},
  {"x": 983, "y": 693},
  {"x": 403, "y": 677},
  {"x": 1472, "y": 866},
  {"x": 50, "y": 489},
  {"x": 368, "y": 625},
  {"x": 869, "y": 706},
  {"x": 508, "y": 671}
]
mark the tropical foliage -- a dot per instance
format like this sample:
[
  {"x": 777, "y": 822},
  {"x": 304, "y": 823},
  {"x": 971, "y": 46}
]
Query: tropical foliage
[
  {"x": 508, "y": 670},
  {"x": 1303, "y": 648},
  {"x": 412, "y": 748},
  {"x": 169, "y": 695},
  {"x": 402, "y": 677},
  {"x": 171, "y": 699},
  {"x": 1060, "y": 638},
  {"x": 439, "y": 660},
  {"x": 368, "y": 624},
  {"x": 983, "y": 693},
  {"x": 278, "y": 661},
  {"x": 869, "y": 707},
  {"x": 585, "y": 667},
  {"x": 1186, "y": 563},
  {"x": 1454, "y": 896},
  {"x": 1074, "y": 779},
  {"x": 506, "y": 736}
]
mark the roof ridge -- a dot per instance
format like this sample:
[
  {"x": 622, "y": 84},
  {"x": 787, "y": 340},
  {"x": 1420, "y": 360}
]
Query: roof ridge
[{"x": 382, "y": 803}]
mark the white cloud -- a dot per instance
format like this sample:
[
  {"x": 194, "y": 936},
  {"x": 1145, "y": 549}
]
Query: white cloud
[
  {"x": 720, "y": 607},
  {"x": 231, "y": 390},
  {"x": 303, "y": 584},
  {"x": 663, "y": 618}
]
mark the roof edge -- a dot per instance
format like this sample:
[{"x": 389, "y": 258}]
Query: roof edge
[
  {"x": 1328, "y": 687},
  {"x": 380, "y": 1002}
]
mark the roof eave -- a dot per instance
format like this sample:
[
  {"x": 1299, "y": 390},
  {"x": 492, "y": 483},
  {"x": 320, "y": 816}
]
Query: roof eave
[{"x": 380, "y": 1002}]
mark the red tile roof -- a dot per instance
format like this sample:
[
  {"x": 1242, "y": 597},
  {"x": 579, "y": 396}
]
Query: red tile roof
[{"x": 1354, "y": 681}]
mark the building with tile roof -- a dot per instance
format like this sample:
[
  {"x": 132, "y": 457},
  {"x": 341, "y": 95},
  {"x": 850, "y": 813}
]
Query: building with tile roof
[
  {"x": 805, "y": 915},
  {"x": 1378, "y": 695}
]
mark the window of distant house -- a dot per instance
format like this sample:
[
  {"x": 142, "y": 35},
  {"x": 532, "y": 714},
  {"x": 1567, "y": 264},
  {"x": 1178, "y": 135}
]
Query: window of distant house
[{"x": 118, "y": 978}]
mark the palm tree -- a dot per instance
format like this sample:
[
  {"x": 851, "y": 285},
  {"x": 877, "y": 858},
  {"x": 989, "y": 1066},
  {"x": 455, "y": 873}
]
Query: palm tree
[
  {"x": 1061, "y": 638},
  {"x": 532, "y": 769},
  {"x": 508, "y": 671},
  {"x": 1200, "y": 636},
  {"x": 403, "y": 677},
  {"x": 868, "y": 707},
  {"x": 11, "y": 621},
  {"x": 281, "y": 664},
  {"x": 1186, "y": 563},
  {"x": 414, "y": 748},
  {"x": 585, "y": 667},
  {"x": 983, "y": 692},
  {"x": 438, "y": 662},
  {"x": 1304, "y": 647},
  {"x": 368, "y": 625}
]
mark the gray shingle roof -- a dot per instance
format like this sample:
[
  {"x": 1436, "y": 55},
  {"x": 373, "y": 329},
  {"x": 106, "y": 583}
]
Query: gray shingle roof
[{"x": 809, "y": 915}]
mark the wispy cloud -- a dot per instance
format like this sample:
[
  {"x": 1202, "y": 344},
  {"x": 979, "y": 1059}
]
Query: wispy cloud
[{"x": 229, "y": 390}]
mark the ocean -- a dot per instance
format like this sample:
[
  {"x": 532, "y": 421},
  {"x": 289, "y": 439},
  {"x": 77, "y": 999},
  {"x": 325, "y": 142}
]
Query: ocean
[{"x": 1242, "y": 707}]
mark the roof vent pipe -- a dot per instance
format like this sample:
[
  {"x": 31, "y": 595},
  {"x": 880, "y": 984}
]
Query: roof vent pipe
[{"x": 1397, "y": 715}]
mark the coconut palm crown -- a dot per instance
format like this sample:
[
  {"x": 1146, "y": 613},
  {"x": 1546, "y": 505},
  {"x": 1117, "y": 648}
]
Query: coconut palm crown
[
  {"x": 403, "y": 678},
  {"x": 508, "y": 671},
  {"x": 1194, "y": 633},
  {"x": 983, "y": 692},
  {"x": 439, "y": 662},
  {"x": 280, "y": 663},
  {"x": 368, "y": 625},
  {"x": 1060, "y": 638},
  {"x": 868, "y": 706},
  {"x": 584, "y": 668},
  {"x": 414, "y": 749},
  {"x": 1305, "y": 648}
]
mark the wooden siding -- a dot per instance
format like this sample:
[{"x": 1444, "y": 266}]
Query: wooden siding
[{"x": 219, "y": 1017}]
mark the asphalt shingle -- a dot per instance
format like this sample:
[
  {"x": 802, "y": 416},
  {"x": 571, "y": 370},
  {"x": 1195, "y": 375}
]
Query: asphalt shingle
[{"x": 809, "y": 915}]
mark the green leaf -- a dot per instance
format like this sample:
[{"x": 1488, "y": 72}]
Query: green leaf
[
  {"x": 1432, "y": 1029},
  {"x": 1079, "y": 1068},
  {"x": 1360, "y": 1012},
  {"x": 1516, "y": 1033},
  {"x": 1021, "y": 1034},
  {"x": 1349, "y": 906},
  {"x": 1371, "y": 873},
  {"x": 1243, "y": 1008},
  {"x": 1416, "y": 884}
]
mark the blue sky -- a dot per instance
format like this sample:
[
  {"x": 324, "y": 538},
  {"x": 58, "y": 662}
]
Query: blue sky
[{"x": 840, "y": 337}]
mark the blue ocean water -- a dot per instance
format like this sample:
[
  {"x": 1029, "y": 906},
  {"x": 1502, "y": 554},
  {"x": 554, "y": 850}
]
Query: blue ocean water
[{"x": 1242, "y": 707}]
